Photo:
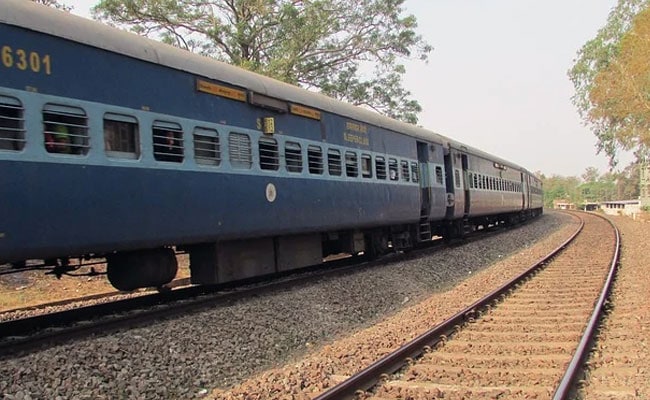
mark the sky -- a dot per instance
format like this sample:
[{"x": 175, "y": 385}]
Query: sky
[{"x": 497, "y": 77}]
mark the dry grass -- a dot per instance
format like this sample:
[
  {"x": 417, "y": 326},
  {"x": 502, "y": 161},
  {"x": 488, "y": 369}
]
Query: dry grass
[{"x": 31, "y": 288}]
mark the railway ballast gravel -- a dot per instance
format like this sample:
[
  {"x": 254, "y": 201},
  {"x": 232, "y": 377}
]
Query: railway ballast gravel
[{"x": 185, "y": 357}]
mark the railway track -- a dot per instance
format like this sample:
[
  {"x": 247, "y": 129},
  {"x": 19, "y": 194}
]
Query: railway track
[
  {"x": 43, "y": 328},
  {"x": 527, "y": 339}
]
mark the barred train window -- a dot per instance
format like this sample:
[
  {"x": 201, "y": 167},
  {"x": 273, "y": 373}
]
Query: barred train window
[
  {"x": 404, "y": 166},
  {"x": 121, "y": 136},
  {"x": 366, "y": 166},
  {"x": 293, "y": 156},
  {"x": 269, "y": 154},
  {"x": 334, "y": 162},
  {"x": 351, "y": 164},
  {"x": 415, "y": 172},
  {"x": 392, "y": 169},
  {"x": 167, "y": 141},
  {"x": 12, "y": 124},
  {"x": 380, "y": 166},
  {"x": 315, "y": 160},
  {"x": 65, "y": 129},
  {"x": 239, "y": 149},
  {"x": 439, "y": 179},
  {"x": 207, "y": 149}
]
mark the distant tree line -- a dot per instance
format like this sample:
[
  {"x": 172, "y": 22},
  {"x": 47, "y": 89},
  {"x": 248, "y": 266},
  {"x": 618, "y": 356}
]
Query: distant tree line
[{"x": 592, "y": 186}]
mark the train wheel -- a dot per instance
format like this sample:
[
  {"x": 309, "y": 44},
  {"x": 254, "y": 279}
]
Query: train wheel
[{"x": 143, "y": 268}]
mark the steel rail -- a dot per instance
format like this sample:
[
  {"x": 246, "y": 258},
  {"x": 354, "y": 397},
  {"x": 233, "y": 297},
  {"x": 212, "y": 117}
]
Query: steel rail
[
  {"x": 571, "y": 373},
  {"x": 392, "y": 362}
]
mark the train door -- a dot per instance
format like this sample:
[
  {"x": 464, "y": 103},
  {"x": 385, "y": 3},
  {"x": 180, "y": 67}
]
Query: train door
[
  {"x": 425, "y": 185},
  {"x": 524, "y": 191},
  {"x": 465, "y": 185},
  {"x": 526, "y": 188},
  {"x": 455, "y": 197}
]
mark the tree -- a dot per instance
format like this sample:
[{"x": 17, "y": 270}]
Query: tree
[
  {"x": 621, "y": 92},
  {"x": 594, "y": 57},
  {"x": 627, "y": 182},
  {"x": 330, "y": 45},
  {"x": 591, "y": 174},
  {"x": 560, "y": 188},
  {"x": 54, "y": 4}
]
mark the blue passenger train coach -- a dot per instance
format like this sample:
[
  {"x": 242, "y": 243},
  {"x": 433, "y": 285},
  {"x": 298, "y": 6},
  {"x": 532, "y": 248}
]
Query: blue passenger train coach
[{"x": 116, "y": 146}]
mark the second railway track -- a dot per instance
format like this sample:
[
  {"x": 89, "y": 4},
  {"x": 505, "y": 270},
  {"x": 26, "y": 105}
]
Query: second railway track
[{"x": 519, "y": 347}]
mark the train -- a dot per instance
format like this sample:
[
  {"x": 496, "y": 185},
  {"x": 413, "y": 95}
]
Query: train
[{"x": 116, "y": 146}]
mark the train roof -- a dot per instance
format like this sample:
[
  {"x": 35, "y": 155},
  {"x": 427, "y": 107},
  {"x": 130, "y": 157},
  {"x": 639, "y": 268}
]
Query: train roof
[{"x": 39, "y": 18}]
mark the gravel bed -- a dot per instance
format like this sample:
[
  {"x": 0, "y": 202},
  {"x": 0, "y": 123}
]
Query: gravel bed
[
  {"x": 620, "y": 362},
  {"x": 185, "y": 357}
]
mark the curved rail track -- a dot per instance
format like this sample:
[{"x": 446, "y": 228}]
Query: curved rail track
[{"x": 527, "y": 339}]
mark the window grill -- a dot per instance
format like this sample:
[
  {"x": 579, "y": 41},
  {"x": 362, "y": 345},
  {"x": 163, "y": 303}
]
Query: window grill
[
  {"x": 415, "y": 172},
  {"x": 239, "y": 149},
  {"x": 351, "y": 164},
  {"x": 315, "y": 160},
  {"x": 12, "y": 124},
  {"x": 439, "y": 177},
  {"x": 380, "y": 167},
  {"x": 293, "y": 156},
  {"x": 65, "y": 129},
  {"x": 366, "y": 166},
  {"x": 392, "y": 169},
  {"x": 405, "y": 170},
  {"x": 269, "y": 154},
  {"x": 334, "y": 162},
  {"x": 167, "y": 141},
  {"x": 207, "y": 148},
  {"x": 121, "y": 136}
]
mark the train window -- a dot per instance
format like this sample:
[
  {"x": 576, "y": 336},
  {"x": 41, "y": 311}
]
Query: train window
[
  {"x": 239, "y": 150},
  {"x": 380, "y": 167},
  {"x": 293, "y": 156},
  {"x": 207, "y": 149},
  {"x": 405, "y": 170},
  {"x": 393, "y": 174},
  {"x": 334, "y": 162},
  {"x": 366, "y": 166},
  {"x": 439, "y": 179},
  {"x": 167, "y": 141},
  {"x": 351, "y": 164},
  {"x": 121, "y": 136},
  {"x": 269, "y": 154},
  {"x": 65, "y": 129},
  {"x": 415, "y": 172},
  {"x": 315, "y": 159},
  {"x": 12, "y": 124},
  {"x": 457, "y": 178}
]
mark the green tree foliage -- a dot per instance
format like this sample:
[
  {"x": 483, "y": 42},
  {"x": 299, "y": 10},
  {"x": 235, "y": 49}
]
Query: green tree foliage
[
  {"x": 560, "y": 188},
  {"x": 55, "y": 4},
  {"x": 592, "y": 186},
  {"x": 621, "y": 91},
  {"x": 329, "y": 45},
  {"x": 597, "y": 55}
]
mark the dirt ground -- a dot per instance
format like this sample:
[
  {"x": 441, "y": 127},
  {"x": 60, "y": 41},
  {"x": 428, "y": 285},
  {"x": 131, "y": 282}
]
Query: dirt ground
[{"x": 31, "y": 288}]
